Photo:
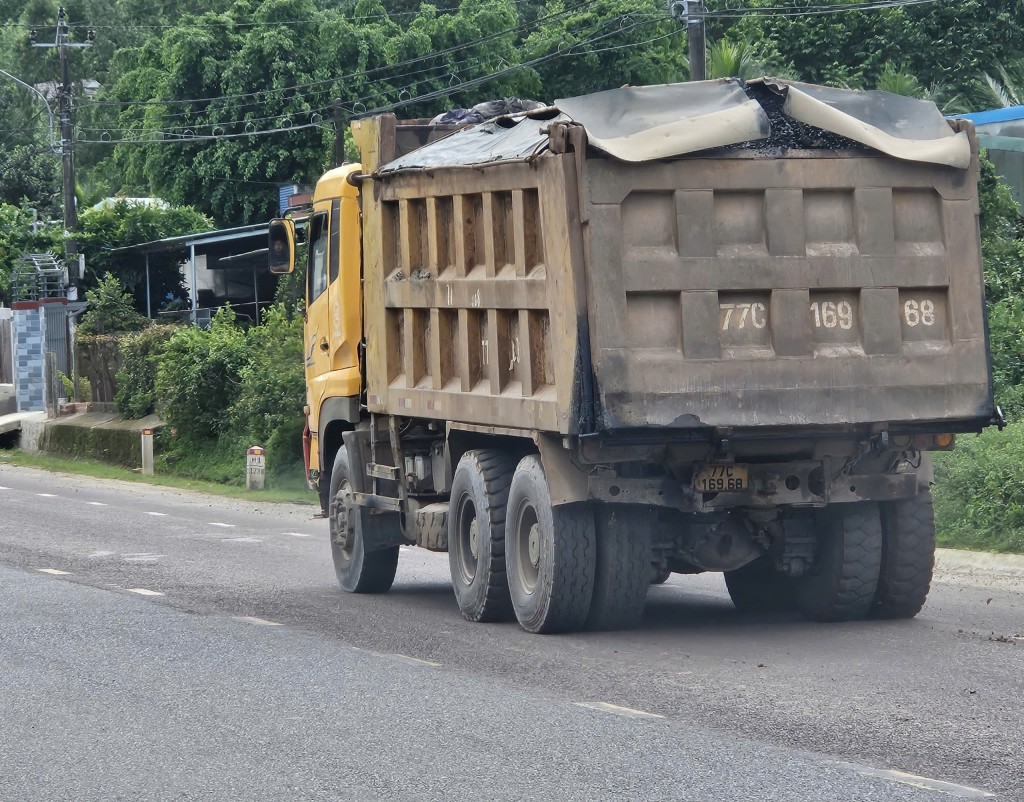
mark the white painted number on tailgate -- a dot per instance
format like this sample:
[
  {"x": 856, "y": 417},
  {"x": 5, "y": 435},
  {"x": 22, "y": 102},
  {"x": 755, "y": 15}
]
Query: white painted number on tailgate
[
  {"x": 831, "y": 315},
  {"x": 740, "y": 316},
  {"x": 919, "y": 313}
]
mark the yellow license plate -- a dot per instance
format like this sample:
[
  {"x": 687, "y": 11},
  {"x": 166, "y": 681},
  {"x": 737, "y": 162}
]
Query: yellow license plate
[{"x": 721, "y": 479}]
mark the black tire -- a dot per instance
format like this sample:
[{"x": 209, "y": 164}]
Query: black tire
[
  {"x": 358, "y": 571},
  {"x": 908, "y": 557},
  {"x": 622, "y": 571},
  {"x": 476, "y": 535},
  {"x": 842, "y": 583},
  {"x": 758, "y": 587},
  {"x": 549, "y": 554}
]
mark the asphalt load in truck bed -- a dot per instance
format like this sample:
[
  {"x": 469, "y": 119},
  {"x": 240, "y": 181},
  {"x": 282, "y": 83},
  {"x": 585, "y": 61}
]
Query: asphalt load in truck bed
[{"x": 787, "y": 133}]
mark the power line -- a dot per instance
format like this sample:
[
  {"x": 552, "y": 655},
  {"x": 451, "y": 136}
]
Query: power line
[{"x": 735, "y": 12}]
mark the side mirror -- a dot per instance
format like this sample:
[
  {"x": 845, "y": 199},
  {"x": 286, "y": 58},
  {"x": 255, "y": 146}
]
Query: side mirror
[{"x": 281, "y": 246}]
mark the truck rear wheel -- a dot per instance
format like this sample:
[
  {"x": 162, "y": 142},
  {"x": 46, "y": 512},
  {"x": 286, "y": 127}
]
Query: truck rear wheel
[
  {"x": 476, "y": 535},
  {"x": 622, "y": 571},
  {"x": 358, "y": 571},
  {"x": 757, "y": 586},
  {"x": 908, "y": 557},
  {"x": 842, "y": 583},
  {"x": 549, "y": 556}
]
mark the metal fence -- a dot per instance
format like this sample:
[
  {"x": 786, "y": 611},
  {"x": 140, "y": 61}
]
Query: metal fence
[{"x": 57, "y": 335}]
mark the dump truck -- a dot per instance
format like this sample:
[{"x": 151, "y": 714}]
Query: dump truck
[{"x": 714, "y": 326}]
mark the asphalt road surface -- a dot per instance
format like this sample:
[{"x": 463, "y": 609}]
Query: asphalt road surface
[{"x": 159, "y": 644}]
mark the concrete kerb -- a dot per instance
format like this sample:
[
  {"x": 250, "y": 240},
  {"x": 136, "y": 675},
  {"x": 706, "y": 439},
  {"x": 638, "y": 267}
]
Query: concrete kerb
[{"x": 955, "y": 561}]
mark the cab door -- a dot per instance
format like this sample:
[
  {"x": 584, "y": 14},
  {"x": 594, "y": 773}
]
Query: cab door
[{"x": 317, "y": 329}]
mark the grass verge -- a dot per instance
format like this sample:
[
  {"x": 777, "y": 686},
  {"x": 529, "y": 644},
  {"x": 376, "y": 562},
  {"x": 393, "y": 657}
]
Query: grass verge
[
  {"x": 288, "y": 490},
  {"x": 979, "y": 492}
]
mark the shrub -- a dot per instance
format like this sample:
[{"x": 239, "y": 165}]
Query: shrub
[
  {"x": 111, "y": 309},
  {"x": 136, "y": 380},
  {"x": 198, "y": 378},
  {"x": 979, "y": 492}
]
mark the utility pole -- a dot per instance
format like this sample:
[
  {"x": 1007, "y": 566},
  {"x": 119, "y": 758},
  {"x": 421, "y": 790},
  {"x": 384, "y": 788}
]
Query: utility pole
[
  {"x": 62, "y": 41},
  {"x": 692, "y": 13}
]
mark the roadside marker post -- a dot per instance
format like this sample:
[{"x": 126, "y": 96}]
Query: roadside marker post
[
  {"x": 255, "y": 468},
  {"x": 147, "y": 452}
]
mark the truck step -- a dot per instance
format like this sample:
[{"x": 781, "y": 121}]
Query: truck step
[{"x": 382, "y": 471}]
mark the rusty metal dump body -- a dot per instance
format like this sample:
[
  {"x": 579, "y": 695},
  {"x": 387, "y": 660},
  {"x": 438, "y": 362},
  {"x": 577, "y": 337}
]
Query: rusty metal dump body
[{"x": 572, "y": 292}]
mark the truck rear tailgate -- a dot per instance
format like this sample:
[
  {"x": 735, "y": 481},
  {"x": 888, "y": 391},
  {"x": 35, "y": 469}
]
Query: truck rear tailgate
[{"x": 822, "y": 288}]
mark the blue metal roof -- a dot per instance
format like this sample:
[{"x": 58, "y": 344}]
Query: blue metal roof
[{"x": 994, "y": 115}]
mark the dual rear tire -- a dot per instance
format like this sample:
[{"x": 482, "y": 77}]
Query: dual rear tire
[{"x": 556, "y": 568}]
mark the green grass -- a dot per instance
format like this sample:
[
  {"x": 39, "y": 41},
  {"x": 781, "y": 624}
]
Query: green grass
[
  {"x": 979, "y": 492},
  {"x": 286, "y": 489}
]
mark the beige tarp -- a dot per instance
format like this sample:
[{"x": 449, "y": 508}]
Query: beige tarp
[{"x": 645, "y": 123}]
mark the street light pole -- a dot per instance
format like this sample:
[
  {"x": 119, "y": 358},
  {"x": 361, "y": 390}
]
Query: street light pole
[
  {"x": 66, "y": 112},
  {"x": 692, "y": 13}
]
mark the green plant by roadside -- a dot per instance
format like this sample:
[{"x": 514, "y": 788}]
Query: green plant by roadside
[
  {"x": 979, "y": 492},
  {"x": 136, "y": 380},
  {"x": 110, "y": 310}
]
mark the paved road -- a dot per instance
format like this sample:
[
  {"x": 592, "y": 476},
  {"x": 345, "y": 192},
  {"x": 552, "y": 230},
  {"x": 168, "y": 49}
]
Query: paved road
[{"x": 252, "y": 677}]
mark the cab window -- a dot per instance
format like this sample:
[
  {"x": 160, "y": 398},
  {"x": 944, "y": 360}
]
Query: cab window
[{"x": 317, "y": 257}]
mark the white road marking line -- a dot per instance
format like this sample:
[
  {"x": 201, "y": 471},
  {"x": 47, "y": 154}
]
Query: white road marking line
[
  {"x": 96, "y": 503},
  {"x": 251, "y": 619},
  {"x": 145, "y": 592},
  {"x": 5, "y": 488},
  {"x": 404, "y": 658},
  {"x": 297, "y": 534},
  {"x": 242, "y": 540},
  {"x": 607, "y": 707},
  {"x": 158, "y": 514},
  {"x": 54, "y": 571},
  {"x": 226, "y": 526},
  {"x": 144, "y": 557},
  {"x": 917, "y": 781},
  {"x": 102, "y": 554},
  {"x": 46, "y": 495}
]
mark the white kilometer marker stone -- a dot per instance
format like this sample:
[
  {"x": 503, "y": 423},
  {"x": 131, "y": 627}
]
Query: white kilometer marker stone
[
  {"x": 54, "y": 571},
  {"x": 251, "y": 619},
  {"x": 297, "y": 534},
  {"x": 607, "y": 707},
  {"x": 158, "y": 514},
  {"x": 226, "y": 526},
  {"x": 145, "y": 592},
  {"x": 926, "y": 783}
]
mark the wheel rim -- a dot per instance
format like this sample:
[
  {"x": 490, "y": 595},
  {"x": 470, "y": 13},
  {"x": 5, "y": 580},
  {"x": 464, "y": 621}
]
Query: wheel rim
[
  {"x": 467, "y": 545},
  {"x": 343, "y": 517},
  {"x": 528, "y": 547}
]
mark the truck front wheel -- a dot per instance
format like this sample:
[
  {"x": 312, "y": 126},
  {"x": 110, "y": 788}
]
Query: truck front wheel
[
  {"x": 908, "y": 557},
  {"x": 842, "y": 583},
  {"x": 549, "y": 555},
  {"x": 476, "y": 535},
  {"x": 358, "y": 570}
]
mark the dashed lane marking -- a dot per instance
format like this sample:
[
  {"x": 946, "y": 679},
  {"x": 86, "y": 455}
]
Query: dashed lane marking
[
  {"x": 158, "y": 514},
  {"x": 242, "y": 540},
  {"x": 46, "y": 495},
  {"x": 102, "y": 554},
  {"x": 96, "y": 504},
  {"x": 297, "y": 534},
  {"x": 54, "y": 571},
  {"x": 5, "y": 488},
  {"x": 917, "y": 781},
  {"x": 143, "y": 557},
  {"x": 145, "y": 592},
  {"x": 404, "y": 658},
  {"x": 251, "y": 619},
  {"x": 618, "y": 710},
  {"x": 216, "y": 523}
]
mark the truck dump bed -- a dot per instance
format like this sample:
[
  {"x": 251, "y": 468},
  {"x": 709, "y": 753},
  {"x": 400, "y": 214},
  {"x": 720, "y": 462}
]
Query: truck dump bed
[{"x": 624, "y": 263}]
